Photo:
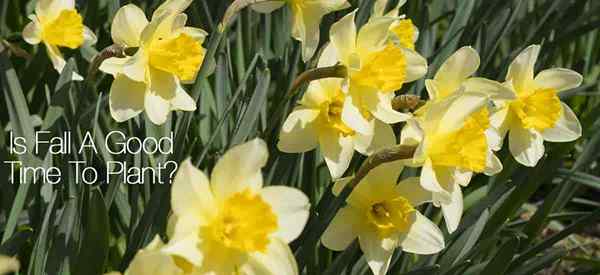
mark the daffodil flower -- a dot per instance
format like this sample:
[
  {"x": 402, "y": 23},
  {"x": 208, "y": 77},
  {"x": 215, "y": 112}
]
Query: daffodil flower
[
  {"x": 537, "y": 114},
  {"x": 376, "y": 67},
  {"x": 232, "y": 223},
  {"x": 383, "y": 216},
  {"x": 403, "y": 32},
  {"x": 168, "y": 54},
  {"x": 306, "y": 19},
  {"x": 319, "y": 122},
  {"x": 8, "y": 265},
  {"x": 453, "y": 132},
  {"x": 56, "y": 23}
]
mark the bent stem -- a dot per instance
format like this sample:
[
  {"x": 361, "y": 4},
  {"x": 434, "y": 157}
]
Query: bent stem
[{"x": 234, "y": 9}]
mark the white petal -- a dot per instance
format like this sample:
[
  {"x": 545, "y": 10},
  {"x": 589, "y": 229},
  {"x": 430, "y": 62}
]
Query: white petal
[
  {"x": 89, "y": 37},
  {"x": 377, "y": 254},
  {"x": 412, "y": 190},
  {"x": 127, "y": 25},
  {"x": 499, "y": 120},
  {"x": 373, "y": 36},
  {"x": 343, "y": 37},
  {"x": 240, "y": 169},
  {"x": 291, "y": 207},
  {"x": 423, "y": 237},
  {"x": 32, "y": 33},
  {"x": 411, "y": 134},
  {"x": 567, "y": 127},
  {"x": 380, "y": 105},
  {"x": 278, "y": 260},
  {"x": 191, "y": 194},
  {"x": 382, "y": 137},
  {"x": 520, "y": 71},
  {"x": 527, "y": 146},
  {"x": 458, "y": 108},
  {"x": 559, "y": 79},
  {"x": 494, "y": 139},
  {"x": 159, "y": 96},
  {"x": 353, "y": 117},
  {"x": 267, "y": 6},
  {"x": 343, "y": 229},
  {"x": 429, "y": 179},
  {"x": 453, "y": 210},
  {"x": 135, "y": 67},
  {"x": 171, "y": 6},
  {"x": 416, "y": 65},
  {"x": 306, "y": 28},
  {"x": 48, "y": 10},
  {"x": 337, "y": 151},
  {"x": 299, "y": 133},
  {"x": 182, "y": 100},
  {"x": 113, "y": 66},
  {"x": 126, "y": 99},
  {"x": 56, "y": 57},
  {"x": 456, "y": 69},
  {"x": 385, "y": 172},
  {"x": 432, "y": 89},
  {"x": 493, "y": 89},
  {"x": 186, "y": 247},
  {"x": 493, "y": 164},
  {"x": 329, "y": 56}
]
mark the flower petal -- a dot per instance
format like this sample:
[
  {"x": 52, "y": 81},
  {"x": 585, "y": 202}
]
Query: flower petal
[
  {"x": 8, "y": 264},
  {"x": 416, "y": 65},
  {"x": 411, "y": 189},
  {"x": 47, "y": 10},
  {"x": 126, "y": 98},
  {"x": 411, "y": 134},
  {"x": 520, "y": 71},
  {"x": 423, "y": 237},
  {"x": 456, "y": 69},
  {"x": 299, "y": 133},
  {"x": 378, "y": 255},
  {"x": 182, "y": 100},
  {"x": 185, "y": 247},
  {"x": 380, "y": 105},
  {"x": 32, "y": 33},
  {"x": 374, "y": 35},
  {"x": 127, "y": 25},
  {"x": 246, "y": 160},
  {"x": 493, "y": 164},
  {"x": 353, "y": 117},
  {"x": 567, "y": 127},
  {"x": 493, "y": 89},
  {"x": 343, "y": 229},
  {"x": 267, "y": 6},
  {"x": 135, "y": 67},
  {"x": 113, "y": 66},
  {"x": 158, "y": 98},
  {"x": 291, "y": 207},
  {"x": 453, "y": 210},
  {"x": 527, "y": 146},
  {"x": 89, "y": 37},
  {"x": 343, "y": 37},
  {"x": 337, "y": 151},
  {"x": 382, "y": 137},
  {"x": 559, "y": 79},
  {"x": 429, "y": 178},
  {"x": 278, "y": 260},
  {"x": 191, "y": 194}
]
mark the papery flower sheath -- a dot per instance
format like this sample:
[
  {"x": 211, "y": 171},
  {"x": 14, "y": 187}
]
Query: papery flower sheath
[
  {"x": 306, "y": 19},
  {"x": 56, "y": 23},
  {"x": 381, "y": 214},
  {"x": 167, "y": 54},
  {"x": 537, "y": 114},
  {"x": 232, "y": 223},
  {"x": 318, "y": 122}
]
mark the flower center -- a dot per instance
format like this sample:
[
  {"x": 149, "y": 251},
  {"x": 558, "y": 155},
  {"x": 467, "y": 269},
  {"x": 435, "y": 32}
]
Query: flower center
[
  {"x": 181, "y": 56},
  {"x": 244, "y": 223},
  {"x": 464, "y": 148},
  {"x": 66, "y": 30},
  {"x": 333, "y": 116},
  {"x": 539, "y": 110},
  {"x": 390, "y": 216},
  {"x": 405, "y": 32},
  {"x": 384, "y": 70}
]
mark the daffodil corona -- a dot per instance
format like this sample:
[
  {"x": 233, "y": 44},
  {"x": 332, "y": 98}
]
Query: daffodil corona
[
  {"x": 382, "y": 215},
  {"x": 167, "y": 54},
  {"x": 56, "y": 23},
  {"x": 322, "y": 120},
  {"x": 537, "y": 114},
  {"x": 234, "y": 225}
]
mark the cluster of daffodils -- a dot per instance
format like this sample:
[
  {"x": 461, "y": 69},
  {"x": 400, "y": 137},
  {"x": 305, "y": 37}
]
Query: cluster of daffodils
[{"x": 230, "y": 224}]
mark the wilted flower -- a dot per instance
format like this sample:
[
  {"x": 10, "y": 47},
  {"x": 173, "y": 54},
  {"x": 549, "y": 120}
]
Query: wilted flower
[
  {"x": 306, "y": 19},
  {"x": 537, "y": 114},
  {"x": 167, "y": 54},
  {"x": 234, "y": 224},
  {"x": 382, "y": 215},
  {"x": 320, "y": 121},
  {"x": 56, "y": 23}
]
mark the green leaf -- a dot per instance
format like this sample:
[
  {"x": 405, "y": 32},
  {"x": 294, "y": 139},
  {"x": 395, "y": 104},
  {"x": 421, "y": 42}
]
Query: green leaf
[{"x": 94, "y": 245}]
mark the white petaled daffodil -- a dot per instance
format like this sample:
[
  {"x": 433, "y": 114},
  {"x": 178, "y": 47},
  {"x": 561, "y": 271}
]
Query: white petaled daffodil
[
  {"x": 56, "y": 23},
  {"x": 453, "y": 132},
  {"x": 381, "y": 213},
  {"x": 8, "y": 265},
  {"x": 403, "y": 32},
  {"x": 318, "y": 122},
  {"x": 168, "y": 54},
  {"x": 376, "y": 68},
  {"x": 232, "y": 223},
  {"x": 537, "y": 114},
  {"x": 306, "y": 19}
]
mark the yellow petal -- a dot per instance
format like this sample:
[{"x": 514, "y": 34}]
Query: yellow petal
[
  {"x": 411, "y": 189},
  {"x": 343, "y": 229},
  {"x": 455, "y": 70},
  {"x": 558, "y": 79},
  {"x": 382, "y": 137},
  {"x": 299, "y": 132},
  {"x": 520, "y": 71},
  {"x": 191, "y": 193},
  {"x": 343, "y": 37},
  {"x": 66, "y": 30},
  {"x": 127, "y": 25},
  {"x": 126, "y": 98}
]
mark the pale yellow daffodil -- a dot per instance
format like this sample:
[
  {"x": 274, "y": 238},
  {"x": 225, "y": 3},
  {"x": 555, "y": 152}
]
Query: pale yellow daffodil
[
  {"x": 537, "y": 114},
  {"x": 319, "y": 121},
  {"x": 232, "y": 223},
  {"x": 168, "y": 54},
  {"x": 376, "y": 67},
  {"x": 453, "y": 132},
  {"x": 306, "y": 19},
  {"x": 56, "y": 23},
  {"x": 382, "y": 215},
  {"x": 403, "y": 32},
  {"x": 8, "y": 265}
]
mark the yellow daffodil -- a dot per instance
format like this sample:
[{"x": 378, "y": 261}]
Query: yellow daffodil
[
  {"x": 376, "y": 67},
  {"x": 234, "y": 224},
  {"x": 8, "y": 265},
  {"x": 403, "y": 32},
  {"x": 453, "y": 132},
  {"x": 537, "y": 114},
  {"x": 168, "y": 54},
  {"x": 382, "y": 215},
  {"x": 154, "y": 260},
  {"x": 56, "y": 23},
  {"x": 306, "y": 19},
  {"x": 322, "y": 120}
]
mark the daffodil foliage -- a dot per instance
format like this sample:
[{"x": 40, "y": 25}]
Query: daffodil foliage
[{"x": 299, "y": 137}]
